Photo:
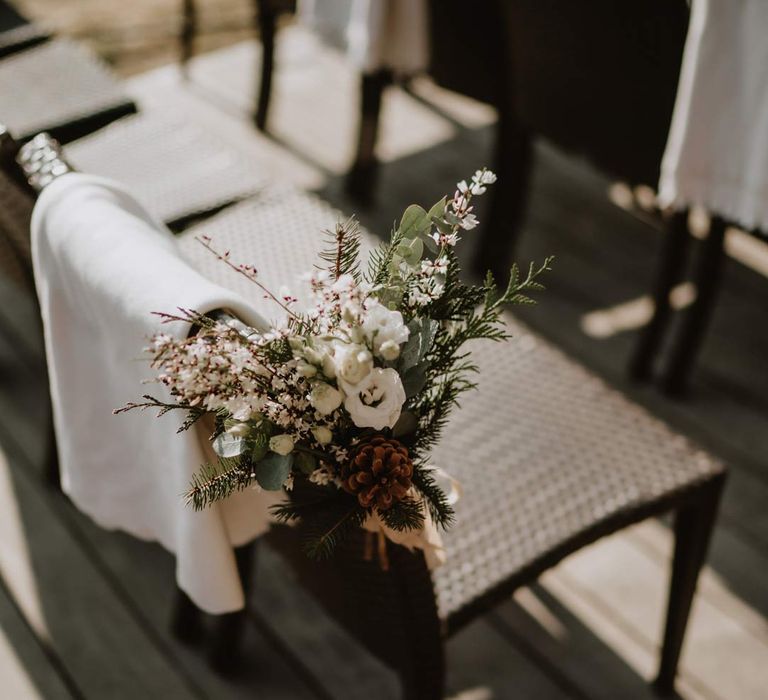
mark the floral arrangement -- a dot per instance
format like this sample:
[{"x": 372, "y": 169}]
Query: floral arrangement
[{"x": 340, "y": 403}]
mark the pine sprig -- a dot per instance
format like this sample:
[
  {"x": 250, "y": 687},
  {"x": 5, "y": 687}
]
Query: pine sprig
[
  {"x": 215, "y": 482},
  {"x": 440, "y": 510},
  {"x": 342, "y": 254}
]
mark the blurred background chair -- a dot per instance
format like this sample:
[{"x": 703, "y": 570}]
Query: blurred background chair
[
  {"x": 266, "y": 14},
  {"x": 16, "y": 31},
  {"x": 68, "y": 103}
]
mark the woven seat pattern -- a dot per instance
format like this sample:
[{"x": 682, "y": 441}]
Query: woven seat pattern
[
  {"x": 549, "y": 456},
  {"x": 176, "y": 169},
  {"x": 58, "y": 87}
]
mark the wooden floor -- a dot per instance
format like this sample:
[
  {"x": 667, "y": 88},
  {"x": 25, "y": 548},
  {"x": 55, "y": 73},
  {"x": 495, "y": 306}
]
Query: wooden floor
[{"x": 84, "y": 613}]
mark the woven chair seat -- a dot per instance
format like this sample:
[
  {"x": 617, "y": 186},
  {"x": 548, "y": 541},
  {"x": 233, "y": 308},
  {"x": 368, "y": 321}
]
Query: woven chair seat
[
  {"x": 176, "y": 169},
  {"x": 59, "y": 87},
  {"x": 549, "y": 456}
]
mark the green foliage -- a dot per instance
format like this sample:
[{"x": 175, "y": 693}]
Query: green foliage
[
  {"x": 215, "y": 482},
  {"x": 325, "y": 516},
  {"x": 341, "y": 255}
]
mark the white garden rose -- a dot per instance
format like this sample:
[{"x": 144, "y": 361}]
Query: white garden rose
[
  {"x": 282, "y": 444},
  {"x": 381, "y": 325},
  {"x": 389, "y": 350},
  {"x": 377, "y": 400},
  {"x": 352, "y": 362},
  {"x": 322, "y": 434},
  {"x": 324, "y": 398}
]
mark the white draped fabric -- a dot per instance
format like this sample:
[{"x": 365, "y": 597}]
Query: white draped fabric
[
  {"x": 102, "y": 266},
  {"x": 374, "y": 33},
  {"x": 717, "y": 151}
]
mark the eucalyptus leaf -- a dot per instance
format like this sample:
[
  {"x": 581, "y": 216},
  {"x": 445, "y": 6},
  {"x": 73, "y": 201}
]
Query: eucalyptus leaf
[
  {"x": 306, "y": 462},
  {"x": 414, "y": 222},
  {"x": 273, "y": 470},
  {"x": 227, "y": 445},
  {"x": 437, "y": 211},
  {"x": 259, "y": 446},
  {"x": 415, "y": 379},
  {"x": 410, "y": 353},
  {"x": 406, "y": 424},
  {"x": 442, "y": 226},
  {"x": 432, "y": 246},
  {"x": 428, "y": 332},
  {"x": 413, "y": 251}
]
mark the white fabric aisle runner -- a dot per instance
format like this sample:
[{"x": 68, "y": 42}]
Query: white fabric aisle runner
[
  {"x": 102, "y": 266},
  {"x": 717, "y": 150},
  {"x": 374, "y": 33}
]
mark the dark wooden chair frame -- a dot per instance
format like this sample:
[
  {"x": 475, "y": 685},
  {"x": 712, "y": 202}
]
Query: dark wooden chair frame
[{"x": 394, "y": 613}]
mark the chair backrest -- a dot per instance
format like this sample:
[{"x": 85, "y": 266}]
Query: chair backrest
[{"x": 16, "y": 202}]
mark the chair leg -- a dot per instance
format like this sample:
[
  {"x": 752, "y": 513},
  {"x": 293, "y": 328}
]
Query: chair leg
[
  {"x": 51, "y": 466},
  {"x": 266, "y": 17},
  {"x": 361, "y": 179},
  {"x": 694, "y": 523},
  {"x": 186, "y": 619},
  {"x": 670, "y": 271},
  {"x": 188, "y": 32},
  {"x": 226, "y": 646},
  {"x": 707, "y": 276},
  {"x": 513, "y": 161}
]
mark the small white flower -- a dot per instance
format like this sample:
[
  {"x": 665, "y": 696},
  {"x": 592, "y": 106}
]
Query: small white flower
[
  {"x": 376, "y": 402},
  {"x": 288, "y": 483},
  {"x": 469, "y": 222},
  {"x": 443, "y": 239},
  {"x": 324, "y": 398},
  {"x": 306, "y": 370},
  {"x": 485, "y": 177},
  {"x": 282, "y": 444},
  {"x": 320, "y": 476},
  {"x": 462, "y": 187},
  {"x": 322, "y": 434},
  {"x": 389, "y": 350}
]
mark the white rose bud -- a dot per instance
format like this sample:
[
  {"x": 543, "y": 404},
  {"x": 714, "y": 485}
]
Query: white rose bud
[
  {"x": 306, "y": 370},
  {"x": 329, "y": 369},
  {"x": 325, "y": 398},
  {"x": 389, "y": 350},
  {"x": 282, "y": 444},
  {"x": 313, "y": 356},
  {"x": 322, "y": 434},
  {"x": 239, "y": 429}
]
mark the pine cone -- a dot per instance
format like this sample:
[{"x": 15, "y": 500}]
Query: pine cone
[{"x": 379, "y": 473}]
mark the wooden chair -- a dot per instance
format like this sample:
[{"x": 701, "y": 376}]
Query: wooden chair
[
  {"x": 265, "y": 15},
  {"x": 562, "y": 461},
  {"x": 61, "y": 88},
  {"x": 598, "y": 80},
  {"x": 25, "y": 170},
  {"x": 16, "y": 31}
]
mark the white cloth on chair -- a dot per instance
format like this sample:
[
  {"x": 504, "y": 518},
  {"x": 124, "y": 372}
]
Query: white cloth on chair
[
  {"x": 717, "y": 150},
  {"x": 374, "y": 33},
  {"x": 102, "y": 266}
]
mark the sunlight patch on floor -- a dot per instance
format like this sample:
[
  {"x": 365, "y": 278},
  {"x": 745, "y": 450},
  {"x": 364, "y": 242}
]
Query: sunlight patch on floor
[
  {"x": 633, "y": 314},
  {"x": 15, "y": 561}
]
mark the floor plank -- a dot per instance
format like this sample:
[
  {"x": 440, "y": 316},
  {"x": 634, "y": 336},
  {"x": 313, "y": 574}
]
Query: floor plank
[{"x": 27, "y": 672}]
